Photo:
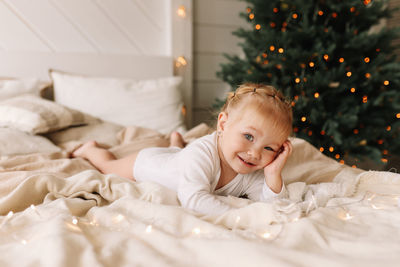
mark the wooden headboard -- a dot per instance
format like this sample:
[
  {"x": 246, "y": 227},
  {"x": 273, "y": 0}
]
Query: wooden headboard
[{"x": 140, "y": 39}]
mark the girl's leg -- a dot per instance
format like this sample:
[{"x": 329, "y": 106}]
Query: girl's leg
[{"x": 105, "y": 161}]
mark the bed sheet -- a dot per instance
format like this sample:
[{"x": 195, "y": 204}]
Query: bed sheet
[{"x": 58, "y": 211}]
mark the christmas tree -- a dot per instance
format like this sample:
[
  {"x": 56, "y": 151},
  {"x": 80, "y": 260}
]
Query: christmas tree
[{"x": 336, "y": 66}]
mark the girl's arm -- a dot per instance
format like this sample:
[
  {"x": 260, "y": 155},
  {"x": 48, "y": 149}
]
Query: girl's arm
[
  {"x": 272, "y": 171},
  {"x": 197, "y": 183}
]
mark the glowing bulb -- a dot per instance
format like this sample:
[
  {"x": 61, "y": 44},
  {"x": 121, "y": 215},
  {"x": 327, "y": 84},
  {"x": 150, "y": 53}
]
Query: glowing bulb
[
  {"x": 266, "y": 235},
  {"x": 331, "y": 149},
  {"x": 237, "y": 219},
  {"x": 297, "y": 80},
  {"x": 321, "y": 149},
  {"x": 196, "y": 231},
  {"x": 348, "y": 74},
  {"x": 303, "y": 119},
  {"x": 258, "y": 26},
  {"x": 118, "y": 218},
  {"x": 74, "y": 220},
  {"x": 348, "y": 216},
  {"x": 367, "y": 60},
  {"x": 367, "y": 75},
  {"x": 365, "y": 99},
  {"x": 280, "y": 50},
  {"x": 311, "y": 64},
  {"x": 272, "y": 48},
  {"x": 353, "y": 90},
  {"x": 180, "y": 61},
  {"x": 295, "y": 16},
  {"x": 326, "y": 57},
  {"x": 398, "y": 115},
  {"x": 9, "y": 214},
  {"x": 251, "y": 16},
  {"x": 386, "y": 82},
  {"x": 181, "y": 11},
  {"x": 316, "y": 95},
  {"x": 320, "y": 12},
  {"x": 341, "y": 60}
]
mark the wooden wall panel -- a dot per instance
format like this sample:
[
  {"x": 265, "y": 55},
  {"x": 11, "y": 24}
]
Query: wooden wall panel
[
  {"x": 214, "y": 21},
  {"x": 104, "y": 35}
]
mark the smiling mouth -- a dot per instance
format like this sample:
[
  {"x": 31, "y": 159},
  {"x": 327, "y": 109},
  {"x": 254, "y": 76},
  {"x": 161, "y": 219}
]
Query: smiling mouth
[{"x": 246, "y": 162}]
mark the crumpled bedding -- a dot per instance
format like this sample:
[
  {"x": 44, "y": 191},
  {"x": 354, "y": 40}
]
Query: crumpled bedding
[{"x": 58, "y": 211}]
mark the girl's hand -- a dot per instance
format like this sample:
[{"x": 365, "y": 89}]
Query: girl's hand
[{"x": 272, "y": 171}]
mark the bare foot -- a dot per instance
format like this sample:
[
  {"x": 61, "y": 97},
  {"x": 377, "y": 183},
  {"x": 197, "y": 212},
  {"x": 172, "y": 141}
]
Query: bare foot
[
  {"x": 81, "y": 150},
  {"x": 177, "y": 140}
]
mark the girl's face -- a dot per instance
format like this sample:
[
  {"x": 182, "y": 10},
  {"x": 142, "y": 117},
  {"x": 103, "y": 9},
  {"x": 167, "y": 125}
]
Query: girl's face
[{"x": 249, "y": 140}]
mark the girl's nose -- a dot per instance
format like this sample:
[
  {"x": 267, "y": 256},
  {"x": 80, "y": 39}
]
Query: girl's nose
[{"x": 254, "y": 153}]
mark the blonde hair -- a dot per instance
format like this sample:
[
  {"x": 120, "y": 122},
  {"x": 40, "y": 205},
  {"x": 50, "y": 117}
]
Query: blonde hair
[{"x": 267, "y": 97}]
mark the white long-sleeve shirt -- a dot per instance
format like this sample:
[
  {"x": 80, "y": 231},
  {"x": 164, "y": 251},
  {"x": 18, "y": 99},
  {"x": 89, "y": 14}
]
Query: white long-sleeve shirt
[{"x": 193, "y": 172}]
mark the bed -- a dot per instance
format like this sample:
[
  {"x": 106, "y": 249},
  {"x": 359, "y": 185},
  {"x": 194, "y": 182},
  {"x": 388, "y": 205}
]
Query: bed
[{"x": 60, "y": 211}]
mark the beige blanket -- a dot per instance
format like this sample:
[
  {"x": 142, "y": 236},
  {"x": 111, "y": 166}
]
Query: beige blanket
[{"x": 58, "y": 211}]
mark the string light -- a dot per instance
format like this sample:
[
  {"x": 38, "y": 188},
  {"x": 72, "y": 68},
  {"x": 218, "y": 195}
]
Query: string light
[
  {"x": 251, "y": 16},
  {"x": 366, "y": 60},
  {"x": 353, "y": 90},
  {"x": 311, "y": 64},
  {"x": 367, "y": 75},
  {"x": 272, "y": 48},
  {"x": 181, "y": 11},
  {"x": 320, "y": 13},
  {"x": 281, "y": 50},
  {"x": 180, "y": 61},
  {"x": 303, "y": 119},
  {"x": 348, "y": 74},
  {"x": 295, "y": 16},
  {"x": 326, "y": 57},
  {"x": 258, "y": 26},
  {"x": 196, "y": 231},
  {"x": 341, "y": 60},
  {"x": 398, "y": 115},
  {"x": 365, "y": 99},
  {"x": 316, "y": 95},
  {"x": 386, "y": 82}
]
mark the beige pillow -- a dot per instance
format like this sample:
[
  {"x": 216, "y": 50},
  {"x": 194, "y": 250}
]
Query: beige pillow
[
  {"x": 153, "y": 103},
  {"x": 32, "y": 114},
  {"x": 15, "y": 142}
]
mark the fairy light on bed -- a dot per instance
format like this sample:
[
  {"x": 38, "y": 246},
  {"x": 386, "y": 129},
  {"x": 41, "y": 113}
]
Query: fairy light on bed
[{"x": 269, "y": 232}]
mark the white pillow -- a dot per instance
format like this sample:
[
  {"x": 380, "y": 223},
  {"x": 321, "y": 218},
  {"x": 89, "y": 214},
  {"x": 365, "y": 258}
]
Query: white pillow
[
  {"x": 34, "y": 115},
  {"x": 15, "y": 142},
  {"x": 14, "y": 87},
  {"x": 154, "y": 104}
]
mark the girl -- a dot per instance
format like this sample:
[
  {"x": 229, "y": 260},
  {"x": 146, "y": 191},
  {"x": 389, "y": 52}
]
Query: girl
[{"x": 244, "y": 157}]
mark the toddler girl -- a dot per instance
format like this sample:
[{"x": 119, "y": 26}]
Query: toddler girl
[{"x": 244, "y": 157}]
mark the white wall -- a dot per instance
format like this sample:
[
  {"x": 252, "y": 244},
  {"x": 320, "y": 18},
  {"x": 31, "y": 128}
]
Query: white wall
[{"x": 214, "y": 21}]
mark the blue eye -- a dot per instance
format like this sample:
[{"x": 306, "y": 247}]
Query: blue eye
[
  {"x": 249, "y": 137},
  {"x": 268, "y": 148}
]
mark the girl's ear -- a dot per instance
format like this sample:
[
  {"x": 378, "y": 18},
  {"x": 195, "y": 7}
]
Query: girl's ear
[{"x": 222, "y": 118}]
